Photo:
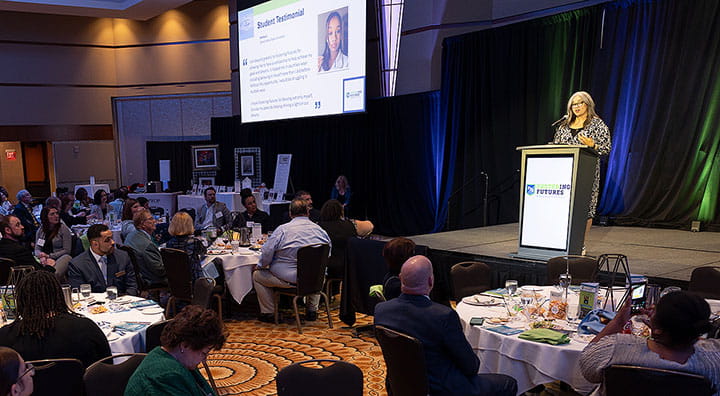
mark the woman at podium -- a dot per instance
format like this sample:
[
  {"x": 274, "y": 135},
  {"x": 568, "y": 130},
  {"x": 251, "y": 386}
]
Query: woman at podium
[{"x": 581, "y": 125}]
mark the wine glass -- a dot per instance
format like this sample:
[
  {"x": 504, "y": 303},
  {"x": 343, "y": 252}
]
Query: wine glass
[{"x": 511, "y": 285}]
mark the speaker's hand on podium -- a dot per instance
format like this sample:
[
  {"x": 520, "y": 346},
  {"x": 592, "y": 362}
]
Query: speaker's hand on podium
[{"x": 588, "y": 141}]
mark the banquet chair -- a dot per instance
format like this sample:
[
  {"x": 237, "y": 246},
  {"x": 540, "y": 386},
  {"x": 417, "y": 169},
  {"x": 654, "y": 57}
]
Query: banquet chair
[
  {"x": 320, "y": 377},
  {"x": 470, "y": 277},
  {"x": 5, "y": 265},
  {"x": 582, "y": 269},
  {"x": 405, "y": 362},
  {"x": 143, "y": 287},
  {"x": 152, "y": 340},
  {"x": 705, "y": 281},
  {"x": 179, "y": 274},
  {"x": 311, "y": 265},
  {"x": 635, "y": 380},
  {"x": 103, "y": 378},
  {"x": 58, "y": 377}
]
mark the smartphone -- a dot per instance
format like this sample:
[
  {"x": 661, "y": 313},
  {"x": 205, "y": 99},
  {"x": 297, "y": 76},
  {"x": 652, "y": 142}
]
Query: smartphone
[
  {"x": 638, "y": 295},
  {"x": 477, "y": 321}
]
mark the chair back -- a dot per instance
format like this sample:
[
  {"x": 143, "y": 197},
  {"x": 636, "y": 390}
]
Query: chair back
[
  {"x": 5, "y": 265},
  {"x": 153, "y": 333},
  {"x": 582, "y": 269},
  {"x": 405, "y": 362},
  {"x": 705, "y": 281},
  {"x": 76, "y": 246},
  {"x": 470, "y": 277},
  {"x": 179, "y": 273},
  {"x": 311, "y": 265},
  {"x": 202, "y": 292},
  {"x": 58, "y": 377},
  {"x": 142, "y": 285},
  {"x": 103, "y": 378},
  {"x": 635, "y": 380},
  {"x": 320, "y": 377},
  {"x": 18, "y": 272}
]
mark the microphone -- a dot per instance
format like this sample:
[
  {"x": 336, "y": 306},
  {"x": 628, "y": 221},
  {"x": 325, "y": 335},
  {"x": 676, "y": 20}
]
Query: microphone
[{"x": 560, "y": 120}]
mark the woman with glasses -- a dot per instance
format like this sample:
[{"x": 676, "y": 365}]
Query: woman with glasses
[
  {"x": 15, "y": 375},
  {"x": 582, "y": 125}
]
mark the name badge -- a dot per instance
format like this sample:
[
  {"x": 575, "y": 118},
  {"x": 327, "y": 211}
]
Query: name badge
[
  {"x": 218, "y": 214},
  {"x": 120, "y": 274},
  {"x": 40, "y": 242}
]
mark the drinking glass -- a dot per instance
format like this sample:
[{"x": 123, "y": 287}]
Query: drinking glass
[
  {"x": 565, "y": 280},
  {"x": 653, "y": 295},
  {"x": 85, "y": 290},
  {"x": 511, "y": 285},
  {"x": 112, "y": 292}
]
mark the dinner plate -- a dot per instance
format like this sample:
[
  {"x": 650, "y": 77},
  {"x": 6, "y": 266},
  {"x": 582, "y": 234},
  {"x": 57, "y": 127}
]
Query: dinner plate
[
  {"x": 246, "y": 252},
  {"x": 481, "y": 301},
  {"x": 152, "y": 311}
]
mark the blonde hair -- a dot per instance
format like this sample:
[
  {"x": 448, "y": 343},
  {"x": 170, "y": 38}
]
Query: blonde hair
[
  {"x": 588, "y": 100},
  {"x": 181, "y": 224}
]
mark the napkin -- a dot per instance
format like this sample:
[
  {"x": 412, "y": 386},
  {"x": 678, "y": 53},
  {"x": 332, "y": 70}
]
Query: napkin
[{"x": 545, "y": 335}]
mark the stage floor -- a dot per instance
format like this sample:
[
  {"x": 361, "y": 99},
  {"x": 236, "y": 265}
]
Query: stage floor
[{"x": 671, "y": 254}]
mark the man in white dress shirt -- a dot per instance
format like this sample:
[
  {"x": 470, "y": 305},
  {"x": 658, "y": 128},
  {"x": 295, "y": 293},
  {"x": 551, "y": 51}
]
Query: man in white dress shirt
[{"x": 212, "y": 213}]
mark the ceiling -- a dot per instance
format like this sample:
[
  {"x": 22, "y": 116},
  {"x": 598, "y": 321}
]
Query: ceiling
[{"x": 130, "y": 9}]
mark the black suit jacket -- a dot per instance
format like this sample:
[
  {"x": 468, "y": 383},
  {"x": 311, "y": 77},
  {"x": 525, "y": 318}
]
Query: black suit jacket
[
  {"x": 85, "y": 269},
  {"x": 28, "y": 221},
  {"x": 21, "y": 254},
  {"x": 452, "y": 366}
]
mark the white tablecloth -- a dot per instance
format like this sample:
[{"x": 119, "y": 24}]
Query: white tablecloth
[
  {"x": 131, "y": 341},
  {"x": 238, "y": 271}
]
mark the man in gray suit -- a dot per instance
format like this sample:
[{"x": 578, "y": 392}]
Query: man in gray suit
[
  {"x": 152, "y": 270},
  {"x": 212, "y": 213},
  {"x": 101, "y": 265}
]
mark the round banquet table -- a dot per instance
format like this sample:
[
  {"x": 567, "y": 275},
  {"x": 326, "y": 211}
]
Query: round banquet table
[
  {"x": 131, "y": 341},
  {"x": 530, "y": 363},
  {"x": 238, "y": 268}
]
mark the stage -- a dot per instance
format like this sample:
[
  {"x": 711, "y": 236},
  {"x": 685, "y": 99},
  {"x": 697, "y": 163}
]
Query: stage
[{"x": 665, "y": 256}]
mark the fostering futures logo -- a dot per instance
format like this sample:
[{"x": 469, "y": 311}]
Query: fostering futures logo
[{"x": 546, "y": 189}]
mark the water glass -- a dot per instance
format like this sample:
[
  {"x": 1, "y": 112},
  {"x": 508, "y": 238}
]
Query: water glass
[
  {"x": 112, "y": 292},
  {"x": 85, "y": 290},
  {"x": 653, "y": 295},
  {"x": 565, "y": 280},
  {"x": 511, "y": 285}
]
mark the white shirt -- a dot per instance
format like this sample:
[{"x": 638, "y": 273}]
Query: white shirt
[{"x": 208, "y": 218}]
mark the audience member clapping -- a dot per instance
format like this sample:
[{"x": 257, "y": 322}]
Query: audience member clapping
[
  {"x": 16, "y": 376},
  {"x": 677, "y": 323},
  {"x": 171, "y": 369},
  {"x": 47, "y": 329},
  {"x": 54, "y": 240}
]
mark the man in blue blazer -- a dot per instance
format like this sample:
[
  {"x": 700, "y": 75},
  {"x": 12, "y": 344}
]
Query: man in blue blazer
[
  {"x": 152, "y": 269},
  {"x": 452, "y": 366},
  {"x": 102, "y": 266}
]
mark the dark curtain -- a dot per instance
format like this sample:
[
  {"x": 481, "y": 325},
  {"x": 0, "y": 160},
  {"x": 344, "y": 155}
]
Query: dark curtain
[
  {"x": 180, "y": 156},
  {"x": 653, "y": 73},
  {"x": 502, "y": 88},
  {"x": 387, "y": 153}
]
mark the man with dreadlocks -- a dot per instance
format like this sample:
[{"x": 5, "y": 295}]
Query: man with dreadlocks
[{"x": 47, "y": 328}]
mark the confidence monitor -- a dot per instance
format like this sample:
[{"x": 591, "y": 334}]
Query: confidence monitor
[
  {"x": 556, "y": 185},
  {"x": 300, "y": 58}
]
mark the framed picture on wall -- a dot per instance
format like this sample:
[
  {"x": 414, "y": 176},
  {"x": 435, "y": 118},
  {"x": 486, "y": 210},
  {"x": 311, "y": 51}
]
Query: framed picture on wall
[
  {"x": 247, "y": 167},
  {"x": 206, "y": 182},
  {"x": 248, "y": 164},
  {"x": 205, "y": 157}
]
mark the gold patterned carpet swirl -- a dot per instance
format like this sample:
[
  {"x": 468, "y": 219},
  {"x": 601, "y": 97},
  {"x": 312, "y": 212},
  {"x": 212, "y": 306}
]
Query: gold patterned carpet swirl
[{"x": 256, "y": 351}]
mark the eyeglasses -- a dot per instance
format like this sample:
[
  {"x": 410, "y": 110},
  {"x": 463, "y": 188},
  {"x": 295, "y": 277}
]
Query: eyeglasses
[
  {"x": 28, "y": 368},
  {"x": 577, "y": 104}
]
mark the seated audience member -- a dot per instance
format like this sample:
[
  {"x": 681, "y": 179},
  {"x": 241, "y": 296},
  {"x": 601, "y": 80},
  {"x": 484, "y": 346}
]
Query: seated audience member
[
  {"x": 172, "y": 368},
  {"x": 130, "y": 207},
  {"x": 52, "y": 202},
  {"x": 314, "y": 214},
  {"x": 278, "y": 260},
  {"x": 339, "y": 230},
  {"x": 66, "y": 211},
  {"x": 24, "y": 211},
  {"x": 102, "y": 265},
  {"x": 152, "y": 270},
  {"x": 396, "y": 252},
  {"x": 47, "y": 328},
  {"x": 252, "y": 213},
  {"x": 452, "y": 366},
  {"x": 54, "y": 240},
  {"x": 16, "y": 376},
  {"x": 121, "y": 194},
  {"x": 10, "y": 246},
  {"x": 6, "y": 207},
  {"x": 212, "y": 213},
  {"x": 680, "y": 318},
  {"x": 82, "y": 201},
  {"x": 100, "y": 207},
  {"x": 181, "y": 229},
  {"x": 144, "y": 202}
]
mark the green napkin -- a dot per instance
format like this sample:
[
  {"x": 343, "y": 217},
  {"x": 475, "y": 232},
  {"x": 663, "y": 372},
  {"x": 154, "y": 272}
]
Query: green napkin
[{"x": 545, "y": 335}]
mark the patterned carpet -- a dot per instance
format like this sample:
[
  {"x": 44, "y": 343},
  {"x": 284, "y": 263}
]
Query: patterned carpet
[{"x": 256, "y": 351}]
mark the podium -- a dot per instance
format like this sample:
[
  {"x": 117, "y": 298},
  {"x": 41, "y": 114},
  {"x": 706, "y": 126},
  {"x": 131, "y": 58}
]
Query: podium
[{"x": 556, "y": 185}]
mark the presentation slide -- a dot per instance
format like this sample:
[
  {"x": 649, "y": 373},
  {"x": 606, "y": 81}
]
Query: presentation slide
[
  {"x": 301, "y": 58},
  {"x": 546, "y": 205}
]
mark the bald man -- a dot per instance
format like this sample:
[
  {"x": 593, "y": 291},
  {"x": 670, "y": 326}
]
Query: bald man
[{"x": 452, "y": 366}]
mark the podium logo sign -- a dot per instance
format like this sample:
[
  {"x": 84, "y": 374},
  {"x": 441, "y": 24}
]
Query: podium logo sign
[
  {"x": 530, "y": 189},
  {"x": 547, "y": 189}
]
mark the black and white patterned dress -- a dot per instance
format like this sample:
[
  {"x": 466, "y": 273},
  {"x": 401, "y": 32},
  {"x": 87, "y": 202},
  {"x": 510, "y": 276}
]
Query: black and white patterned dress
[{"x": 599, "y": 132}]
